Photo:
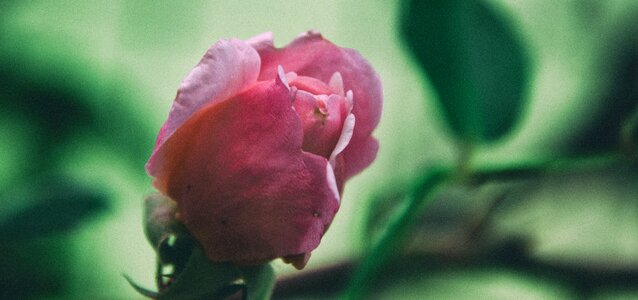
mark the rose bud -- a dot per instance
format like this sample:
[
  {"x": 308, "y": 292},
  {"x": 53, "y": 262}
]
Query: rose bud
[{"x": 260, "y": 141}]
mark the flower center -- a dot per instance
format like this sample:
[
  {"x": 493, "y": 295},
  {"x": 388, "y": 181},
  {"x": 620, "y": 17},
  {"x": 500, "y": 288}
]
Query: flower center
[{"x": 323, "y": 109}]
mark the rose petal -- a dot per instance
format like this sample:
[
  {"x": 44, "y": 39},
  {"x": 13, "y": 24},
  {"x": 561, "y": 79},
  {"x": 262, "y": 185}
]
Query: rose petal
[
  {"x": 323, "y": 119},
  {"x": 262, "y": 42},
  {"x": 244, "y": 187},
  {"x": 344, "y": 138},
  {"x": 313, "y": 56},
  {"x": 227, "y": 68},
  {"x": 312, "y": 85},
  {"x": 359, "y": 155},
  {"x": 346, "y": 165}
]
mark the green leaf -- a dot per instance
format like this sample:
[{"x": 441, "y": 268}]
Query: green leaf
[
  {"x": 475, "y": 62},
  {"x": 614, "y": 111},
  {"x": 38, "y": 268},
  {"x": 43, "y": 208},
  {"x": 202, "y": 279},
  {"x": 67, "y": 99},
  {"x": 260, "y": 281}
]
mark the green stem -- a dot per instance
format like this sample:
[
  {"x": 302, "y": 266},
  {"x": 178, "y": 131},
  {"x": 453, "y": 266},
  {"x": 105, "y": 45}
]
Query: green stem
[
  {"x": 464, "y": 162},
  {"x": 259, "y": 280},
  {"x": 396, "y": 233},
  {"x": 628, "y": 134},
  {"x": 532, "y": 169}
]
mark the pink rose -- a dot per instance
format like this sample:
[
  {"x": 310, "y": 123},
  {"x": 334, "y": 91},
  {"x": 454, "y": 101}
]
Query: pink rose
[{"x": 259, "y": 142}]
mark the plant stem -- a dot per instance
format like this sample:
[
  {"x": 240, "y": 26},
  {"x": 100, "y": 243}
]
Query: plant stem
[
  {"x": 531, "y": 169},
  {"x": 464, "y": 161},
  {"x": 392, "y": 238},
  {"x": 628, "y": 135}
]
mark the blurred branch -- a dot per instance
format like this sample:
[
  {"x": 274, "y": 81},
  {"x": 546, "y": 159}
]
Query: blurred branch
[
  {"x": 48, "y": 205},
  {"x": 629, "y": 136},
  {"x": 532, "y": 169},
  {"x": 508, "y": 255}
]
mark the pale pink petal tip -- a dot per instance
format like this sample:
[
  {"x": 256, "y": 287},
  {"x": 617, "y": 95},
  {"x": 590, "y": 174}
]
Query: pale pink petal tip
[
  {"x": 344, "y": 139},
  {"x": 332, "y": 182},
  {"x": 349, "y": 100},
  {"x": 282, "y": 76},
  {"x": 336, "y": 84}
]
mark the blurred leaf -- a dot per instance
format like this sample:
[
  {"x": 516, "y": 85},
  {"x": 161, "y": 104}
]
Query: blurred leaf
[
  {"x": 38, "y": 268},
  {"x": 70, "y": 100},
  {"x": 260, "y": 281},
  {"x": 603, "y": 131},
  {"x": 475, "y": 62},
  {"x": 47, "y": 101},
  {"x": 382, "y": 207},
  {"x": 43, "y": 208}
]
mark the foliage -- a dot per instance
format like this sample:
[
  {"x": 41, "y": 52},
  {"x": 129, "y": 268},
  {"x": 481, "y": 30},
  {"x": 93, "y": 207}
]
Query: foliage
[{"x": 474, "y": 60}]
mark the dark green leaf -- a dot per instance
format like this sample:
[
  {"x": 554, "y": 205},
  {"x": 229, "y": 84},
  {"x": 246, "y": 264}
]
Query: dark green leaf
[
  {"x": 174, "y": 250},
  {"x": 66, "y": 98},
  {"x": 260, "y": 281},
  {"x": 56, "y": 106},
  {"x": 43, "y": 208},
  {"x": 38, "y": 268},
  {"x": 473, "y": 59},
  {"x": 616, "y": 111},
  {"x": 201, "y": 279}
]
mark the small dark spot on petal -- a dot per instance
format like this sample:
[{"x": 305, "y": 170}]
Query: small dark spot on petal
[
  {"x": 224, "y": 222},
  {"x": 188, "y": 187}
]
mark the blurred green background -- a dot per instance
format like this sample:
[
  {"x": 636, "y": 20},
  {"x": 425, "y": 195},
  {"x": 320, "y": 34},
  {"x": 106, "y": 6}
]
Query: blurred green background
[{"x": 86, "y": 85}]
